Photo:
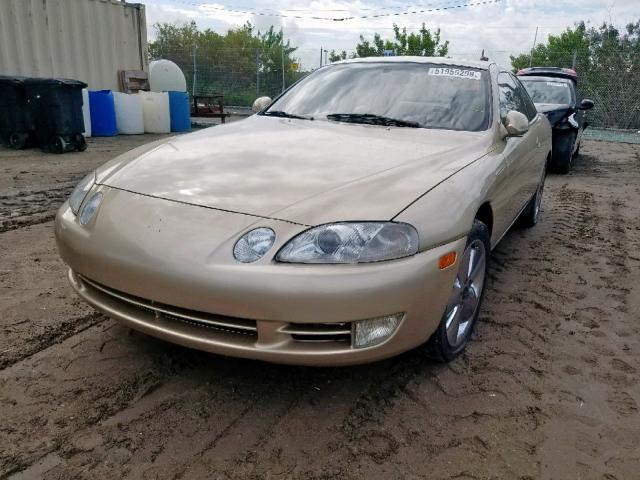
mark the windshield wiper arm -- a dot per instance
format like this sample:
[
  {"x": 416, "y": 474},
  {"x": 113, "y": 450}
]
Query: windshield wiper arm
[
  {"x": 372, "y": 119},
  {"x": 283, "y": 114}
]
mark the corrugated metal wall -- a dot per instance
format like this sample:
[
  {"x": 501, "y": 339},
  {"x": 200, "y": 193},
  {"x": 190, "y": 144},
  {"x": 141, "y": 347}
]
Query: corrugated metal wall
[{"x": 89, "y": 40}]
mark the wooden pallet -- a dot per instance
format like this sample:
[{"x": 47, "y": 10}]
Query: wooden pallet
[
  {"x": 132, "y": 81},
  {"x": 209, "y": 106}
]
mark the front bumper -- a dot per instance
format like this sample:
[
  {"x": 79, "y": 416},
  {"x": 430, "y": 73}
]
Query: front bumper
[{"x": 169, "y": 283}]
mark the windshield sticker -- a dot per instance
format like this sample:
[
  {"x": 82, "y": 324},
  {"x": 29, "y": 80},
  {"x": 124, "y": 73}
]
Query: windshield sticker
[
  {"x": 556, "y": 84},
  {"x": 455, "y": 73}
]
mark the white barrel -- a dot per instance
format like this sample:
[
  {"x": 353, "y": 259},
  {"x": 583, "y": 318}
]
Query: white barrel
[
  {"x": 166, "y": 76},
  {"x": 155, "y": 107},
  {"x": 129, "y": 114},
  {"x": 86, "y": 113}
]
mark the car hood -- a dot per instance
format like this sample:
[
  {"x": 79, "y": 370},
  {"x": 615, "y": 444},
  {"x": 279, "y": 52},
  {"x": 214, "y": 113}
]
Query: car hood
[
  {"x": 302, "y": 171},
  {"x": 556, "y": 113},
  {"x": 549, "y": 107}
]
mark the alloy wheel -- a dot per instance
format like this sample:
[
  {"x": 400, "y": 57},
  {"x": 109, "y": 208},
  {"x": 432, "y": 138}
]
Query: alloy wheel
[{"x": 467, "y": 293}]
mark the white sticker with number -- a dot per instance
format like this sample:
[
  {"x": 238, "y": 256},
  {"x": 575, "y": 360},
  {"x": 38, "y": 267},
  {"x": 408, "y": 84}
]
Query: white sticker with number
[
  {"x": 556, "y": 84},
  {"x": 455, "y": 73}
]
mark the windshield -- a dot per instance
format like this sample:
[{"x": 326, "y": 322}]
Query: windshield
[
  {"x": 397, "y": 94},
  {"x": 549, "y": 90}
]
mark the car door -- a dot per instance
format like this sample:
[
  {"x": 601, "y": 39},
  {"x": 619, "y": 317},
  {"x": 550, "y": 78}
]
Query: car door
[
  {"x": 532, "y": 170},
  {"x": 519, "y": 152}
]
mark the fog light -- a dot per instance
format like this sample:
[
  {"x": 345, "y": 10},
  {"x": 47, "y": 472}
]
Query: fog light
[{"x": 373, "y": 331}]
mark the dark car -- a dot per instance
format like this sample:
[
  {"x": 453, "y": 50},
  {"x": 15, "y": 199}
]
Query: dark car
[{"x": 553, "y": 90}]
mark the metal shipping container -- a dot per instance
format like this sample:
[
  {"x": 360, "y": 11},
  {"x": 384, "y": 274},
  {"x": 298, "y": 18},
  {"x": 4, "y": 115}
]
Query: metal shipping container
[{"x": 89, "y": 40}]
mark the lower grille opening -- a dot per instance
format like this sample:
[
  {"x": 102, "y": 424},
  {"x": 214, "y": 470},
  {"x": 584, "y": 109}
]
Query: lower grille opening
[
  {"x": 319, "y": 332},
  {"x": 221, "y": 323},
  {"x": 227, "y": 329},
  {"x": 245, "y": 331}
]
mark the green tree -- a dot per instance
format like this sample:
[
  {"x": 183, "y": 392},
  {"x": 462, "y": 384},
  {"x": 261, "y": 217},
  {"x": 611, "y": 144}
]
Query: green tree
[
  {"x": 273, "y": 52},
  {"x": 240, "y": 64},
  {"x": 424, "y": 43},
  {"x": 337, "y": 56},
  {"x": 558, "y": 51},
  {"x": 613, "y": 75},
  {"x": 608, "y": 64}
]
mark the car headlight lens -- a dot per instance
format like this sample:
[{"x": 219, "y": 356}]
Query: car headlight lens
[
  {"x": 359, "y": 242},
  {"x": 254, "y": 244},
  {"x": 80, "y": 192},
  {"x": 90, "y": 208}
]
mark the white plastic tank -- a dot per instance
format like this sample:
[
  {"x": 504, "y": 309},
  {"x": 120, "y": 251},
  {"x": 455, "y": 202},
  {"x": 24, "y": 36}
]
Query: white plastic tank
[
  {"x": 86, "y": 113},
  {"x": 129, "y": 114},
  {"x": 165, "y": 76},
  {"x": 155, "y": 107}
]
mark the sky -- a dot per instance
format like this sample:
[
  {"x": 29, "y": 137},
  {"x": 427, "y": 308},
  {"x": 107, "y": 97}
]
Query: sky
[{"x": 501, "y": 28}]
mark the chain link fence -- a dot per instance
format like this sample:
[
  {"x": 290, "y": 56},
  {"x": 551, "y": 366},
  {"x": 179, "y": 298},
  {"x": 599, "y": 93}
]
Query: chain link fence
[
  {"x": 611, "y": 80},
  {"x": 242, "y": 75}
]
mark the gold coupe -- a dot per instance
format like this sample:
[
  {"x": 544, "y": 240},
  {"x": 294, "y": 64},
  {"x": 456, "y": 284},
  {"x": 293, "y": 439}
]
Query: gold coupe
[{"x": 349, "y": 220}]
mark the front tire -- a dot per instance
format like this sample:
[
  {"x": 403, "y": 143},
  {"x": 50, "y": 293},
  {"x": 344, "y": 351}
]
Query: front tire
[
  {"x": 562, "y": 152},
  {"x": 462, "y": 311},
  {"x": 531, "y": 213}
]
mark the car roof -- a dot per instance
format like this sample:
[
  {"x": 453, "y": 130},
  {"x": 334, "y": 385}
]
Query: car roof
[
  {"x": 415, "y": 59},
  {"x": 558, "y": 72},
  {"x": 542, "y": 78}
]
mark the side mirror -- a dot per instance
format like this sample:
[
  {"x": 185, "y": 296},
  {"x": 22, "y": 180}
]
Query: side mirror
[
  {"x": 516, "y": 124},
  {"x": 260, "y": 104},
  {"x": 586, "y": 104}
]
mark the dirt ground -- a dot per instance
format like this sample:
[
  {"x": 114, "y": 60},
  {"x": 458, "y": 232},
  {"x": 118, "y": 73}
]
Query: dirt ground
[{"x": 548, "y": 389}]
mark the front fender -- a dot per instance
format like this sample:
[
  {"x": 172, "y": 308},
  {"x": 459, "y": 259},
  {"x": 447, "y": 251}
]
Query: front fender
[{"x": 446, "y": 212}]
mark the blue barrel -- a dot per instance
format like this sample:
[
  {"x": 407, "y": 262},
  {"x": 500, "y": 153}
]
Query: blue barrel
[
  {"x": 179, "y": 112},
  {"x": 103, "y": 113}
]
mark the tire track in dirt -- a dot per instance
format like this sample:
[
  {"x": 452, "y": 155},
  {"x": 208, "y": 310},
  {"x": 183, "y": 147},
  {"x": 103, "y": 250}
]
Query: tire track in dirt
[
  {"x": 52, "y": 335},
  {"x": 33, "y": 184},
  {"x": 32, "y": 207},
  {"x": 224, "y": 427},
  {"x": 63, "y": 393},
  {"x": 593, "y": 388}
]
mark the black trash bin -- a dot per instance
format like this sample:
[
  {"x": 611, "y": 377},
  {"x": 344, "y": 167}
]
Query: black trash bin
[
  {"x": 16, "y": 122},
  {"x": 56, "y": 107}
]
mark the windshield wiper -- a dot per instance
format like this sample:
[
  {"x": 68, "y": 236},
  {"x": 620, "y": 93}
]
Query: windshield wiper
[
  {"x": 283, "y": 114},
  {"x": 372, "y": 119}
]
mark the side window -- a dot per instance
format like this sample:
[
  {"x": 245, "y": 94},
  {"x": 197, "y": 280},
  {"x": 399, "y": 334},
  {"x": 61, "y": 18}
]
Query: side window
[
  {"x": 531, "y": 111},
  {"x": 510, "y": 99}
]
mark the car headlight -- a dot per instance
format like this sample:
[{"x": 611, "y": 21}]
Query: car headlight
[
  {"x": 351, "y": 242},
  {"x": 80, "y": 192},
  {"x": 90, "y": 208},
  {"x": 254, "y": 244}
]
